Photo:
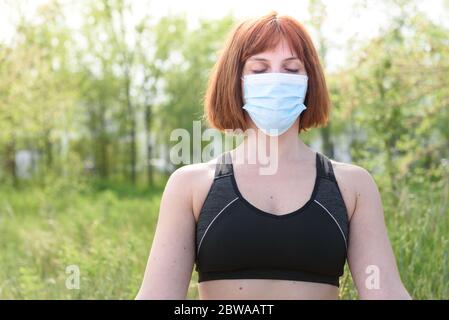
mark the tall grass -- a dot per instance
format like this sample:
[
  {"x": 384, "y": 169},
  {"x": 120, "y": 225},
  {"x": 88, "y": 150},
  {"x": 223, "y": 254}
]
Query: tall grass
[
  {"x": 106, "y": 233},
  {"x": 417, "y": 220},
  {"x": 107, "y": 230}
]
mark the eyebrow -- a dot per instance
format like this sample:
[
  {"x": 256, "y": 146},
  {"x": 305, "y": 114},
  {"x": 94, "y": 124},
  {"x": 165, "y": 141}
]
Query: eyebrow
[{"x": 263, "y": 59}]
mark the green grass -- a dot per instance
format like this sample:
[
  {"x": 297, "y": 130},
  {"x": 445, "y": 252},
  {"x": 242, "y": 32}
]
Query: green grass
[
  {"x": 107, "y": 232},
  {"x": 418, "y": 226}
]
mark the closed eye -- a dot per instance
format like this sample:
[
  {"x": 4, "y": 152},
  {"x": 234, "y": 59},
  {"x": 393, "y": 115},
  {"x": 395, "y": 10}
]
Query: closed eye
[
  {"x": 258, "y": 71},
  {"x": 264, "y": 70}
]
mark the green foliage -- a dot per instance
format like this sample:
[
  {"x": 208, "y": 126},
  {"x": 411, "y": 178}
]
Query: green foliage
[
  {"x": 95, "y": 103},
  {"x": 418, "y": 228},
  {"x": 106, "y": 233}
]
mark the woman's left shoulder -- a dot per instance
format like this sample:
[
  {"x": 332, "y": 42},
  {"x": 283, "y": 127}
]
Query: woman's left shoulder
[
  {"x": 352, "y": 181},
  {"x": 350, "y": 170}
]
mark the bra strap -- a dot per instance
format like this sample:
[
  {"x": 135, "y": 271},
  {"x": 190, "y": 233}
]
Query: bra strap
[
  {"x": 324, "y": 167},
  {"x": 224, "y": 165}
]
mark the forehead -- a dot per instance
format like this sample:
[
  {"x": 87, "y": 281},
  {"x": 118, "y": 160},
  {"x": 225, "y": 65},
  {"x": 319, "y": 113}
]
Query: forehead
[
  {"x": 273, "y": 40},
  {"x": 279, "y": 49}
]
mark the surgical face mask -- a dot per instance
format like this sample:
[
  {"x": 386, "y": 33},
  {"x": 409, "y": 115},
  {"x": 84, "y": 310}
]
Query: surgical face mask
[{"x": 274, "y": 100}]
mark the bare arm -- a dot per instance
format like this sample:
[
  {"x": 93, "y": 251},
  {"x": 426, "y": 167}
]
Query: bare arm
[
  {"x": 370, "y": 256},
  {"x": 170, "y": 264}
]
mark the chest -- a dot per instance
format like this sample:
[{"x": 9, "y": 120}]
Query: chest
[{"x": 281, "y": 193}]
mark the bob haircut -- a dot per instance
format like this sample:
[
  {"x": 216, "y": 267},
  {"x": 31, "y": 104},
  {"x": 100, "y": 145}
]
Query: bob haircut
[{"x": 223, "y": 100}]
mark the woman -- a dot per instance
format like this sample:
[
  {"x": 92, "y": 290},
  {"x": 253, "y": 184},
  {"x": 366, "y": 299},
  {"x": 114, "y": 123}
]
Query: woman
[{"x": 282, "y": 235}]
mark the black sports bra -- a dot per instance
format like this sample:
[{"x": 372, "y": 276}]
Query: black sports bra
[{"x": 236, "y": 240}]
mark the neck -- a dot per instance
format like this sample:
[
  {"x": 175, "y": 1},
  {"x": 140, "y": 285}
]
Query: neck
[{"x": 257, "y": 147}]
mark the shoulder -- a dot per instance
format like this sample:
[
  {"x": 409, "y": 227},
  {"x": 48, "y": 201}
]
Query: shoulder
[
  {"x": 354, "y": 182},
  {"x": 192, "y": 182},
  {"x": 187, "y": 174},
  {"x": 351, "y": 171}
]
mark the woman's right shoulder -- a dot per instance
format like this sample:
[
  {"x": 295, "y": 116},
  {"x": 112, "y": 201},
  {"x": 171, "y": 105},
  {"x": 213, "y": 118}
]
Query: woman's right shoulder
[
  {"x": 194, "y": 181},
  {"x": 188, "y": 175}
]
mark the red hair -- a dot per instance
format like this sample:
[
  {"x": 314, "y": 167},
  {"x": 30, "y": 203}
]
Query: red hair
[{"x": 223, "y": 100}]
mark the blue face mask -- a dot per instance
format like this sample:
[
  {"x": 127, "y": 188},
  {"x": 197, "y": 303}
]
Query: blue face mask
[{"x": 274, "y": 100}]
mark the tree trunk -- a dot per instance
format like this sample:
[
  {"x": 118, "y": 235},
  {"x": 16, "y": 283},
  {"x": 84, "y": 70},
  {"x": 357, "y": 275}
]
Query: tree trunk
[
  {"x": 132, "y": 130},
  {"x": 104, "y": 142},
  {"x": 328, "y": 146},
  {"x": 10, "y": 161},
  {"x": 150, "y": 178},
  {"x": 48, "y": 150}
]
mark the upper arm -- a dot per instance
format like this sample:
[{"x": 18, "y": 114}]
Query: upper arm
[
  {"x": 170, "y": 264},
  {"x": 370, "y": 255}
]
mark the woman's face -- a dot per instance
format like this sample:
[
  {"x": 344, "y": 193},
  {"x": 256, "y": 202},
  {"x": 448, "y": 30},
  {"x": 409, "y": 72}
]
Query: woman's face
[{"x": 281, "y": 59}]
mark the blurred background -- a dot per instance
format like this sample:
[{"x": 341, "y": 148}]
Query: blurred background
[{"x": 90, "y": 91}]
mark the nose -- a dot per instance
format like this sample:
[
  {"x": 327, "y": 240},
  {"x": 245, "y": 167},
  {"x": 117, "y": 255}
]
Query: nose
[{"x": 276, "y": 69}]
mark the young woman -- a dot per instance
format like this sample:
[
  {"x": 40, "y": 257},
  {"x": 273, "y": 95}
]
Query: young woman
[{"x": 283, "y": 235}]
